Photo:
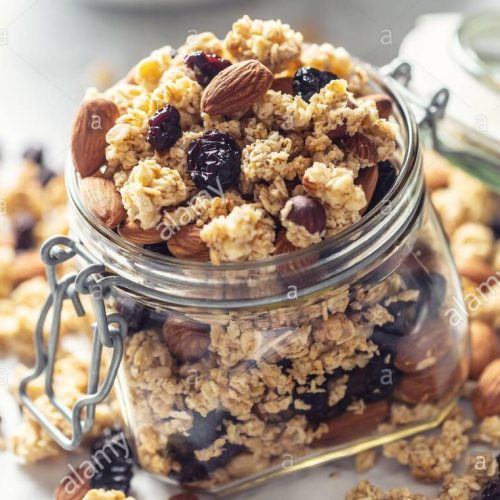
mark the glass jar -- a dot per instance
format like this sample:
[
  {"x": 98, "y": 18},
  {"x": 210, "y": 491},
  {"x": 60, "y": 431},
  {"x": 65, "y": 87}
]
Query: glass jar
[{"x": 235, "y": 374}]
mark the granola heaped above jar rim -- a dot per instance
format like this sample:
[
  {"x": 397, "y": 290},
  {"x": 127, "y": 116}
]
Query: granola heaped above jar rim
[{"x": 231, "y": 147}]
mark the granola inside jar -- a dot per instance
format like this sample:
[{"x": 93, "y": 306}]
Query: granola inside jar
[{"x": 289, "y": 292}]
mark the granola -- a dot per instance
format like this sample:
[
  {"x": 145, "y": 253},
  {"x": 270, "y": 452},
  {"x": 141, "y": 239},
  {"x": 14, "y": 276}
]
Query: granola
[{"x": 262, "y": 151}]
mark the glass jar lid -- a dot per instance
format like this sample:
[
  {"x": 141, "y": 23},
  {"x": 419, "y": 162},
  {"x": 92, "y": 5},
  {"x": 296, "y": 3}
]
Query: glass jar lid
[{"x": 462, "y": 53}]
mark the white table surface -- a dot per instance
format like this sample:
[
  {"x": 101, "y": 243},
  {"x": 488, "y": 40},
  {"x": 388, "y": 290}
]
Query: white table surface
[{"x": 46, "y": 50}]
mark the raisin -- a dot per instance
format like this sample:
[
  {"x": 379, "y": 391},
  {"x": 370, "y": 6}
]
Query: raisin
[
  {"x": 205, "y": 66},
  {"x": 309, "y": 81},
  {"x": 164, "y": 128},
  {"x": 214, "y": 161},
  {"x": 113, "y": 462}
]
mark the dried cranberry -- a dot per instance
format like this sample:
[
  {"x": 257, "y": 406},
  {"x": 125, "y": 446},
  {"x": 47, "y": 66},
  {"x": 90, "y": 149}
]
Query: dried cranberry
[
  {"x": 214, "y": 161},
  {"x": 205, "y": 66},
  {"x": 164, "y": 128},
  {"x": 309, "y": 81}
]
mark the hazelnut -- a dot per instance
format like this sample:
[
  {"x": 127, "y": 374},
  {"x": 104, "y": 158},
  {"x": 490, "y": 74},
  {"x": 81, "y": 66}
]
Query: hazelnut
[
  {"x": 307, "y": 212},
  {"x": 186, "y": 340}
]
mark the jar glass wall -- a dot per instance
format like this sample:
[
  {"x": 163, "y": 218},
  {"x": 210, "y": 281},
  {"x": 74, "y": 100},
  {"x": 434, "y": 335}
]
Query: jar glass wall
[
  {"x": 219, "y": 401},
  {"x": 238, "y": 373}
]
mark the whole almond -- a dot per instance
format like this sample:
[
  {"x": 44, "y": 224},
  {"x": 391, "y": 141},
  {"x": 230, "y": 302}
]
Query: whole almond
[
  {"x": 485, "y": 347},
  {"x": 431, "y": 384},
  {"x": 133, "y": 232},
  {"x": 236, "y": 88},
  {"x": 367, "y": 179},
  {"x": 361, "y": 146},
  {"x": 423, "y": 348},
  {"x": 103, "y": 200},
  {"x": 350, "y": 425},
  {"x": 187, "y": 340},
  {"x": 187, "y": 244},
  {"x": 27, "y": 265},
  {"x": 383, "y": 103},
  {"x": 475, "y": 269},
  {"x": 486, "y": 397},
  {"x": 88, "y": 141}
]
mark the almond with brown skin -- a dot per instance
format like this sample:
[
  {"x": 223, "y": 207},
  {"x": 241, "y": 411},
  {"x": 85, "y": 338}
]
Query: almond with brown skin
[
  {"x": 350, "y": 425},
  {"x": 134, "y": 233},
  {"x": 367, "y": 179},
  {"x": 88, "y": 141},
  {"x": 187, "y": 340},
  {"x": 475, "y": 269},
  {"x": 187, "y": 244},
  {"x": 423, "y": 348},
  {"x": 485, "y": 347},
  {"x": 383, "y": 103},
  {"x": 103, "y": 200},
  {"x": 236, "y": 88},
  {"x": 486, "y": 397},
  {"x": 361, "y": 146},
  {"x": 27, "y": 265},
  {"x": 431, "y": 384}
]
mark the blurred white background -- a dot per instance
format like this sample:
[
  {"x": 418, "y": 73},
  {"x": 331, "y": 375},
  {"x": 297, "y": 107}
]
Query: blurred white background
[{"x": 51, "y": 50}]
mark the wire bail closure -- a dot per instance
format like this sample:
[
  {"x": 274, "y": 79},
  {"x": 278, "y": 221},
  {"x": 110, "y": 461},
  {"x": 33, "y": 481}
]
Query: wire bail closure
[{"x": 108, "y": 331}]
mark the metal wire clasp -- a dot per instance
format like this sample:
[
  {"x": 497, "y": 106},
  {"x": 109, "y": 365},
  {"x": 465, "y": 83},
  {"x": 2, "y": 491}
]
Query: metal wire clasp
[{"x": 108, "y": 331}]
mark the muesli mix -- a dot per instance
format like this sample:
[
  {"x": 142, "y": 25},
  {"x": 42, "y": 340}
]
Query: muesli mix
[{"x": 240, "y": 149}]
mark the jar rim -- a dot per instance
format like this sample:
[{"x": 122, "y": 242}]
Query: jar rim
[{"x": 165, "y": 277}]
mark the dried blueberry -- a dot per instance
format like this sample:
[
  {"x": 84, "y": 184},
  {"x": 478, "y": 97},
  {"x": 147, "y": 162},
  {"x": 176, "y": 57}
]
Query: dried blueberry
[
  {"x": 309, "y": 81},
  {"x": 377, "y": 380},
  {"x": 214, "y": 161},
  {"x": 134, "y": 314},
  {"x": 206, "y": 430},
  {"x": 160, "y": 248},
  {"x": 164, "y": 128},
  {"x": 205, "y": 66},
  {"x": 112, "y": 457},
  {"x": 491, "y": 491},
  {"x": 23, "y": 227},
  {"x": 34, "y": 154},
  {"x": 386, "y": 177}
]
